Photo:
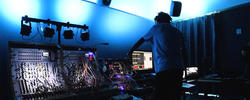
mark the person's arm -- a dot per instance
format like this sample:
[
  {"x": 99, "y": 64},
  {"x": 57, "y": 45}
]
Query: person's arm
[
  {"x": 146, "y": 37},
  {"x": 138, "y": 43}
]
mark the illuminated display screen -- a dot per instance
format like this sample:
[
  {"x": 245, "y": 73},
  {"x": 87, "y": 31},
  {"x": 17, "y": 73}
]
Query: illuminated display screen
[
  {"x": 142, "y": 60},
  {"x": 190, "y": 71}
]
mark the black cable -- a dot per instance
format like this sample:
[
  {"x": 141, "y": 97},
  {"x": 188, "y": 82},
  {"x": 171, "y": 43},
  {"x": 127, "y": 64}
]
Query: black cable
[{"x": 38, "y": 30}]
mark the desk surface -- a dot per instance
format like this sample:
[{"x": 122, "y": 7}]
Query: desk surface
[{"x": 221, "y": 87}]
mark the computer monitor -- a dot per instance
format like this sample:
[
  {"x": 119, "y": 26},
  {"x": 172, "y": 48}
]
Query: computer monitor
[
  {"x": 142, "y": 60},
  {"x": 190, "y": 73}
]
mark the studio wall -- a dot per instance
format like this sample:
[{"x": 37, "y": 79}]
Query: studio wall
[
  {"x": 214, "y": 42},
  {"x": 232, "y": 34}
]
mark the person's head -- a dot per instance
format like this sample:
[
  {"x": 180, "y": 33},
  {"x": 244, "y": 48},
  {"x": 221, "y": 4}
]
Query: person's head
[{"x": 163, "y": 18}]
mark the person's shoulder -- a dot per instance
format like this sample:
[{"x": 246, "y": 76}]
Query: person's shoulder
[
  {"x": 165, "y": 24},
  {"x": 174, "y": 29},
  {"x": 156, "y": 26},
  {"x": 162, "y": 25}
]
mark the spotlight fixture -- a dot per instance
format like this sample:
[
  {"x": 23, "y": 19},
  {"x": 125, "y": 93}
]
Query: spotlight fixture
[
  {"x": 68, "y": 34},
  {"x": 85, "y": 27},
  {"x": 25, "y": 29},
  {"x": 85, "y": 36},
  {"x": 48, "y": 32}
]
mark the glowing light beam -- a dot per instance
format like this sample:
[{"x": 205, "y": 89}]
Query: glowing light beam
[
  {"x": 13, "y": 10},
  {"x": 73, "y": 11}
]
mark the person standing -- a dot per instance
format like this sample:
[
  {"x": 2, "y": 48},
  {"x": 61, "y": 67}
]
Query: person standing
[{"x": 167, "y": 48}]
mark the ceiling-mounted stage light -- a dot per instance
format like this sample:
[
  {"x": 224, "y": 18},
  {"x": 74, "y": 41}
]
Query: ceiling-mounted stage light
[
  {"x": 85, "y": 27},
  {"x": 48, "y": 32},
  {"x": 85, "y": 36},
  {"x": 25, "y": 29},
  {"x": 68, "y": 34}
]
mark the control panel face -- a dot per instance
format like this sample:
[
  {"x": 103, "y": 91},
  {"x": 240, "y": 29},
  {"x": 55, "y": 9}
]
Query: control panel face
[
  {"x": 142, "y": 60},
  {"x": 34, "y": 71},
  {"x": 38, "y": 71}
]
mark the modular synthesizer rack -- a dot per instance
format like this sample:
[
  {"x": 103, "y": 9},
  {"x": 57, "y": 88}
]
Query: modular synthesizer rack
[
  {"x": 47, "y": 72},
  {"x": 36, "y": 73}
]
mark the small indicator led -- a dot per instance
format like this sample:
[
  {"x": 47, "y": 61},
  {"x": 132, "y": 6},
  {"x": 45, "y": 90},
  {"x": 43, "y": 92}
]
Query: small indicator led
[
  {"x": 90, "y": 53},
  {"x": 45, "y": 54}
]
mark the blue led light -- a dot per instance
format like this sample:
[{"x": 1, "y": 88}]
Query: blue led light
[
  {"x": 90, "y": 53},
  {"x": 153, "y": 74},
  {"x": 127, "y": 76},
  {"x": 118, "y": 76},
  {"x": 121, "y": 88}
]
